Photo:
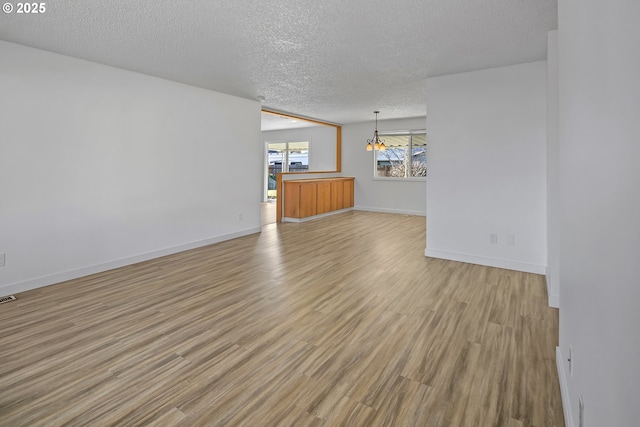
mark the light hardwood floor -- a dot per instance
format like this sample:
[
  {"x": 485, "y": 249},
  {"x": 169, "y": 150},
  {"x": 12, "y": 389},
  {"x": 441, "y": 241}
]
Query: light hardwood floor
[
  {"x": 267, "y": 213},
  {"x": 340, "y": 321}
]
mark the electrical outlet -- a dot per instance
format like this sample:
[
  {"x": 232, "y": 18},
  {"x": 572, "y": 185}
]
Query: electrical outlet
[
  {"x": 511, "y": 239},
  {"x": 240, "y": 216},
  {"x": 3, "y": 258},
  {"x": 493, "y": 238},
  {"x": 581, "y": 412}
]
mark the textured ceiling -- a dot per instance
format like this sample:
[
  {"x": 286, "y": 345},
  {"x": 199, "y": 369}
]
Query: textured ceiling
[{"x": 331, "y": 60}]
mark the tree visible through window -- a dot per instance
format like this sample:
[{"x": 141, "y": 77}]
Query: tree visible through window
[{"x": 405, "y": 155}]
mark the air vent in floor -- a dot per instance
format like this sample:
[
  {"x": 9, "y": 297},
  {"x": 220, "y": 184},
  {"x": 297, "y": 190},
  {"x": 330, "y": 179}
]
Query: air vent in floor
[{"x": 7, "y": 299}]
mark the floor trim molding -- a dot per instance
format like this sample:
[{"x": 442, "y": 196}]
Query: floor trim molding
[
  {"x": 490, "y": 262},
  {"x": 564, "y": 389},
  {"x": 392, "y": 211},
  {"x": 554, "y": 300},
  {"x": 309, "y": 218},
  {"x": 39, "y": 282}
]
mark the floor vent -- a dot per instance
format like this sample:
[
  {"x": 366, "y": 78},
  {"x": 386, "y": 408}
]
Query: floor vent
[{"x": 7, "y": 299}]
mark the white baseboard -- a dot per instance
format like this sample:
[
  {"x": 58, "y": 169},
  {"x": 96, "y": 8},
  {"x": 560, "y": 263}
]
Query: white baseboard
[
  {"x": 309, "y": 218},
  {"x": 554, "y": 300},
  {"x": 564, "y": 389},
  {"x": 490, "y": 262},
  {"x": 393, "y": 211},
  {"x": 39, "y": 282}
]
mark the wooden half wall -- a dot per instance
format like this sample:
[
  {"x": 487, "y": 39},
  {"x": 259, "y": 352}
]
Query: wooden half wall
[{"x": 283, "y": 176}]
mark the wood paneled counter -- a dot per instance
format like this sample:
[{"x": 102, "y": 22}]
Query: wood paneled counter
[{"x": 308, "y": 197}]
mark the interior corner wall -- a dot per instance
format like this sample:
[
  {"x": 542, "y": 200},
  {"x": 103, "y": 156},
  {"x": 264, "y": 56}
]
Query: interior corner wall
[
  {"x": 599, "y": 105},
  {"x": 487, "y": 167},
  {"x": 102, "y": 167},
  {"x": 553, "y": 186},
  {"x": 380, "y": 195}
]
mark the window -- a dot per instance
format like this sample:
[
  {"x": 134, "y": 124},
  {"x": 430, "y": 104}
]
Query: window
[
  {"x": 298, "y": 156},
  {"x": 288, "y": 156},
  {"x": 404, "y": 157}
]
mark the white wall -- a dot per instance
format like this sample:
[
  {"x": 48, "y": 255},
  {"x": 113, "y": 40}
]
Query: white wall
[
  {"x": 599, "y": 116},
  {"x": 101, "y": 167},
  {"x": 553, "y": 186},
  {"x": 322, "y": 144},
  {"x": 487, "y": 174},
  {"x": 395, "y": 196}
]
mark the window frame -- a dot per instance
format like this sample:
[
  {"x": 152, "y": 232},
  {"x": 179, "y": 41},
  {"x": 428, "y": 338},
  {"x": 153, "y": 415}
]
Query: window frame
[{"x": 410, "y": 134}]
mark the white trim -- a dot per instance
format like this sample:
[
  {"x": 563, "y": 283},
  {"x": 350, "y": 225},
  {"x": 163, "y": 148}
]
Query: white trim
[
  {"x": 392, "y": 211},
  {"x": 554, "y": 300},
  {"x": 490, "y": 262},
  {"x": 309, "y": 218},
  {"x": 51, "y": 279},
  {"x": 564, "y": 389}
]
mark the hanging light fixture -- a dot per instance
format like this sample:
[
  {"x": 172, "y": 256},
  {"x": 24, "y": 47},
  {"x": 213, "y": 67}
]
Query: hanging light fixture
[{"x": 376, "y": 141}]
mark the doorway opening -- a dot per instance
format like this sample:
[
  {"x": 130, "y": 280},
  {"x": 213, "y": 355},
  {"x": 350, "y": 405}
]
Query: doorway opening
[{"x": 285, "y": 157}]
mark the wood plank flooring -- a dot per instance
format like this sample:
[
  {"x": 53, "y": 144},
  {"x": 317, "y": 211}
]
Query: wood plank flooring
[
  {"x": 267, "y": 213},
  {"x": 340, "y": 321}
]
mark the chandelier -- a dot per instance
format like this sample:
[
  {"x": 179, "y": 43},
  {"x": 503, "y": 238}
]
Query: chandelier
[{"x": 376, "y": 141}]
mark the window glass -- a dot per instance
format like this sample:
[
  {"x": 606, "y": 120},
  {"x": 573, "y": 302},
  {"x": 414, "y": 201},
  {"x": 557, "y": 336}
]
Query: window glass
[
  {"x": 405, "y": 156},
  {"x": 419, "y": 155},
  {"x": 392, "y": 161},
  {"x": 298, "y": 156}
]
